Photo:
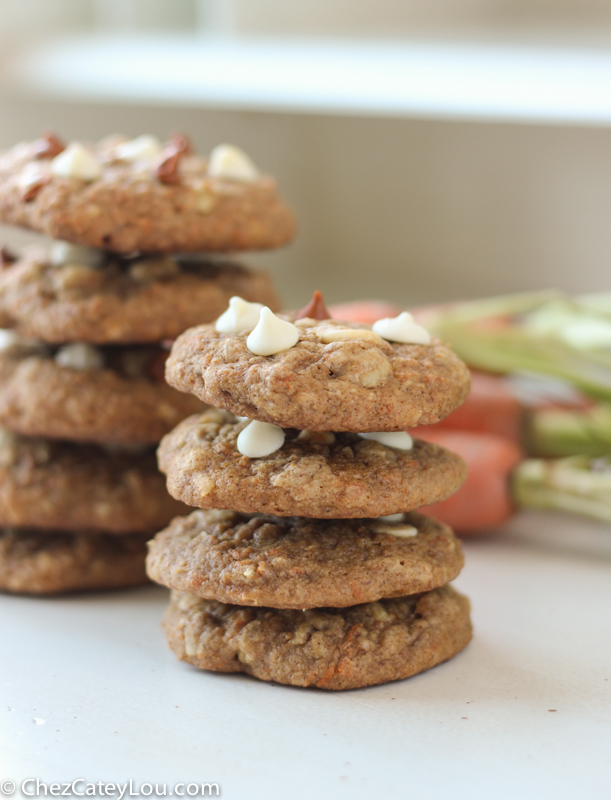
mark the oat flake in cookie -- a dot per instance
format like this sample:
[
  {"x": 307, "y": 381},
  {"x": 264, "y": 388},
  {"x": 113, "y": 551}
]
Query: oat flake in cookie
[
  {"x": 292, "y": 562},
  {"x": 320, "y": 475},
  {"x": 142, "y": 196},
  {"x": 73, "y": 297},
  {"x": 327, "y": 648},
  {"x": 337, "y": 377}
]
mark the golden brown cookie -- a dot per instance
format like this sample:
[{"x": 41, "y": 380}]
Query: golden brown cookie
[
  {"x": 134, "y": 206},
  {"x": 327, "y": 648},
  {"x": 322, "y": 475},
  {"x": 36, "y": 562},
  {"x": 352, "y": 384},
  {"x": 261, "y": 560},
  {"x": 134, "y": 300},
  {"x": 66, "y": 486},
  {"x": 116, "y": 402}
]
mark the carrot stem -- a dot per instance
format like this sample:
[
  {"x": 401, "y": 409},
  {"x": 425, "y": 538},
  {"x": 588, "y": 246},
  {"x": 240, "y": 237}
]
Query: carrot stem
[{"x": 579, "y": 485}]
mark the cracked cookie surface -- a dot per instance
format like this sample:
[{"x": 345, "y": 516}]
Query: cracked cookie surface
[
  {"x": 319, "y": 475},
  {"x": 299, "y": 563},
  {"x": 327, "y": 648},
  {"x": 358, "y": 384}
]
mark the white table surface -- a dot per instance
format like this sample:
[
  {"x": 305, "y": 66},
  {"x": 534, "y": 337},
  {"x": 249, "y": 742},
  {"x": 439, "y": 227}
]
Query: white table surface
[{"x": 117, "y": 705}]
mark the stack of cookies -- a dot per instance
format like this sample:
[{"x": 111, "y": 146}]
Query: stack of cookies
[
  {"x": 320, "y": 573},
  {"x": 86, "y": 325}
]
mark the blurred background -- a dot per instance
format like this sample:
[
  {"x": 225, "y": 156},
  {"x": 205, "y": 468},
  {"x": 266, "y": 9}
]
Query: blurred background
[{"x": 432, "y": 149}]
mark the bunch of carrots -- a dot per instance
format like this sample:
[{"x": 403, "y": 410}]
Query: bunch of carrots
[{"x": 535, "y": 430}]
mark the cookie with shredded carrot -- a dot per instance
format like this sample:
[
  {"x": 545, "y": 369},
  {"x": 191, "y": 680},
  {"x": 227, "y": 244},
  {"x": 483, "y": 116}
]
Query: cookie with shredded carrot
[
  {"x": 328, "y": 648},
  {"x": 335, "y": 377},
  {"x": 321, "y": 475},
  {"x": 142, "y": 195},
  {"x": 292, "y": 562},
  {"x": 76, "y": 294},
  {"x": 55, "y": 562}
]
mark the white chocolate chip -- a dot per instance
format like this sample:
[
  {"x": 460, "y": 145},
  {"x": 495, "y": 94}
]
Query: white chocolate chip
[
  {"x": 271, "y": 335},
  {"x": 402, "y": 329},
  {"x": 398, "y": 529},
  {"x": 80, "y": 357},
  {"x": 76, "y": 162},
  {"x": 260, "y": 439},
  {"x": 240, "y": 316},
  {"x": 62, "y": 253},
  {"x": 142, "y": 148},
  {"x": 227, "y": 161},
  {"x": 401, "y": 440},
  {"x": 333, "y": 334}
]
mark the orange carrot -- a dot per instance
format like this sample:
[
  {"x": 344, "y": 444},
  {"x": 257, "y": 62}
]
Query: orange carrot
[
  {"x": 365, "y": 311},
  {"x": 484, "y": 500},
  {"x": 491, "y": 407}
]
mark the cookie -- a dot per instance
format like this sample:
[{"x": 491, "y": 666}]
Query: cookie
[
  {"x": 326, "y": 648},
  {"x": 60, "y": 485},
  {"x": 39, "y": 397},
  {"x": 352, "y": 384},
  {"x": 321, "y": 475},
  {"x": 124, "y": 300},
  {"x": 91, "y": 195},
  {"x": 36, "y": 562},
  {"x": 302, "y": 563}
]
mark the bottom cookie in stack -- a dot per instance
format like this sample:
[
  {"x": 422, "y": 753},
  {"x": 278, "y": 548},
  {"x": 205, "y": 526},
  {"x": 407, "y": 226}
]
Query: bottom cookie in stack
[
  {"x": 335, "y": 604},
  {"x": 76, "y": 516}
]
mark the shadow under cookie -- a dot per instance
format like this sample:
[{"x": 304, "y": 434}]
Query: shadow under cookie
[
  {"x": 311, "y": 475},
  {"x": 37, "y": 563},
  {"x": 67, "y": 486},
  {"x": 301, "y": 563},
  {"x": 326, "y": 648}
]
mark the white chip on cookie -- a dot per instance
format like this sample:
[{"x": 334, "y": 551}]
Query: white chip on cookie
[
  {"x": 240, "y": 316},
  {"x": 399, "y": 529},
  {"x": 79, "y": 356},
  {"x": 271, "y": 335},
  {"x": 402, "y": 329},
  {"x": 76, "y": 161},
  {"x": 227, "y": 161},
  {"x": 400, "y": 440},
  {"x": 142, "y": 148},
  {"x": 259, "y": 439}
]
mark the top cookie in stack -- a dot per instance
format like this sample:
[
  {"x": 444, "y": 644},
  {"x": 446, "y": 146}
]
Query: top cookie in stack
[
  {"x": 350, "y": 599},
  {"x": 139, "y": 226}
]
